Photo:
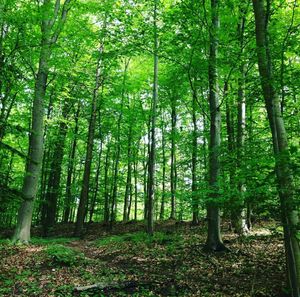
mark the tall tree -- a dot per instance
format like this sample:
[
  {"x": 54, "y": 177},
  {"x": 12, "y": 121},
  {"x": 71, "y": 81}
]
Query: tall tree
[
  {"x": 151, "y": 160},
  {"x": 240, "y": 218},
  {"x": 70, "y": 168},
  {"x": 81, "y": 212},
  {"x": 286, "y": 189},
  {"x": 55, "y": 172},
  {"x": 51, "y": 27},
  {"x": 173, "y": 175},
  {"x": 214, "y": 240}
]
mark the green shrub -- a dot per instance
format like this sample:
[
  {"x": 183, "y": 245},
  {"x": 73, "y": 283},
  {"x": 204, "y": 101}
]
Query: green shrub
[{"x": 63, "y": 255}]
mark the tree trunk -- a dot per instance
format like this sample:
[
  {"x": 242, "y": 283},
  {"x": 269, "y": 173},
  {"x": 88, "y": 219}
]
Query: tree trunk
[
  {"x": 128, "y": 181},
  {"x": 68, "y": 199},
  {"x": 106, "y": 190},
  {"x": 164, "y": 160},
  {"x": 145, "y": 180},
  {"x": 35, "y": 154},
  {"x": 94, "y": 199},
  {"x": 135, "y": 168},
  {"x": 113, "y": 215},
  {"x": 195, "y": 202},
  {"x": 55, "y": 174},
  {"x": 214, "y": 240},
  {"x": 240, "y": 220},
  {"x": 173, "y": 159},
  {"x": 286, "y": 189},
  {"x": 81, "y": 212},
  {"x": 151, "y": 162}
]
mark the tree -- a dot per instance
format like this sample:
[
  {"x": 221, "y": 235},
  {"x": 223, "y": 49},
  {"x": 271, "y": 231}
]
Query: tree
[
  {"x": 214, "y": 240},
  {"x": 81, "y": 212},
  {"x": 151, "y": 161},
  {"x": 35, "y": 154},
  {"x": 286, "y": 190}
]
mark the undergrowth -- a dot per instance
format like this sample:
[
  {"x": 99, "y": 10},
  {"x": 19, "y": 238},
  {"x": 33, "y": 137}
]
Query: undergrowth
[
  {"x": 64, "y": 256},
  {"x": 160, "y": 238}
]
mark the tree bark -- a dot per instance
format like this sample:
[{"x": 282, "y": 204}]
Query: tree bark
[
  {"x": 286, "y": 188},
  {"x": 114, "y": 202},
  {"x": 68, "y": 198},
  {"x": 106, "y": 190},
  {"x": 164, "y": 160},
  {"x": 81, "y": 212},
  {"x": 128, "y": 189},
  {"x": 55, "y": 174},
  {"x": 240, "y": 223},
  {"x": 173, "y": 159},
  {"x": 214, "y": 240},
  {"x": 135, "y": 168},
  {"x": 95, "y": 194},
  {"x": 195, "y": 200},
  {"x": 152, "y": 152}
]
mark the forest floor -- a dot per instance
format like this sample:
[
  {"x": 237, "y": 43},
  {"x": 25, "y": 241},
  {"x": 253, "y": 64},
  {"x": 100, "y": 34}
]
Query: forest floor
[{"x": 127, "y": 262}]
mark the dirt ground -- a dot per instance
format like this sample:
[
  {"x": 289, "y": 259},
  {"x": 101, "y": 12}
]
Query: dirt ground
[{"x": 126, "y": 262}]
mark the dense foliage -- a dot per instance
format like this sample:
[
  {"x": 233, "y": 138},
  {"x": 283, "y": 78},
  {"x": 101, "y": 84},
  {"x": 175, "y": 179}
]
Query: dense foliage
[{"x": 105, "y": 102}]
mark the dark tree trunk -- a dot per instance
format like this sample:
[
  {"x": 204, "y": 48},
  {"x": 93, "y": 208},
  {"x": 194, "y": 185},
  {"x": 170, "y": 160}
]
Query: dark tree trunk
[
  {"x": 195, "y": 200},
  {"x": 55, "y": 174},
  {"x": 94, "y": 198},
  {"x": 135, "y": 168}
]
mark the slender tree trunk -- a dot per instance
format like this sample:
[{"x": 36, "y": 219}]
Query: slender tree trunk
[
  {"x": 128, "y": 181},
  {"x": 94, "y": 199},
  {"x": 130, "y": 202},
  {"x": 286, "y": 189},
  {"x": 164, "y": 160},
  {"x": 135, "y": 168},
  {"x": 45, "y": 163},
  {"x": 214, "y": 240},
  {"x": 146, "y": 169},
  {"x": 173, "y": 160},
  {"x": 55, "y": 174},
  {"x": 113, "y": 206},
  {"x": 195, "y": 200},
  {"x": 68, "y": 199},
  {"x": 81, "y": 212},
  {"x": 240, "y": 224},
  {"x": 151, "y": 162},
  {"x": 145, "y": 181},
  {"x": 106, "y": 188},
  {"x": 231, "y": 147},
  {"x": 113, "y": 215}
]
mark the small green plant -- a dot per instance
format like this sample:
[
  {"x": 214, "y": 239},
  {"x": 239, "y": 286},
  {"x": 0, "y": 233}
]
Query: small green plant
[
  {"x": 51, "y": 241},
  {"x": 63, "y": 255},
  {"x": 140, "y": 238}
]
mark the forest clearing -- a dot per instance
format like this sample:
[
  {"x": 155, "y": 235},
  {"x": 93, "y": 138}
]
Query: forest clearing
[{"x": 149, "y": 148}]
